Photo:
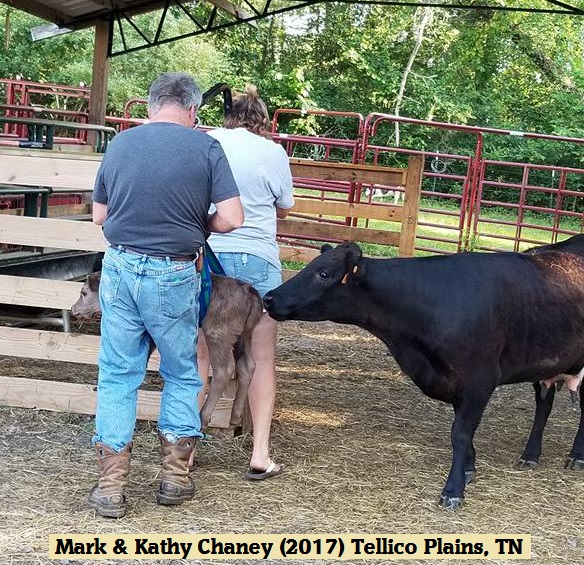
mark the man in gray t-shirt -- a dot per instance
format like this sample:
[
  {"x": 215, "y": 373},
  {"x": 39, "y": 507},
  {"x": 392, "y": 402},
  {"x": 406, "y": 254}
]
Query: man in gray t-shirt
[
  {"x": 157, "y": 181},
  {"x": 152, "y": 195}
]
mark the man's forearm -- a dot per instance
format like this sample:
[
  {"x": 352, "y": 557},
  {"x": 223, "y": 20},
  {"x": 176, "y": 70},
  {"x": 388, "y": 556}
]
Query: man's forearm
[
  {"x": 227, "y": 216},
  {"x": 218, "y": 224}
]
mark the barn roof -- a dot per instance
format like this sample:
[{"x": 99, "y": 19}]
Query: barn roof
[{"x": 210, "y": 15}]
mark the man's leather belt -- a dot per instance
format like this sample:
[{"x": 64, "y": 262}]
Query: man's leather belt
[{"x": 176, "y": 258}]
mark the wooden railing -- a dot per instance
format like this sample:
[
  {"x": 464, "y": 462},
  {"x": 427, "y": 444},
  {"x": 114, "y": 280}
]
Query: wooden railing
[
  {"x": 315, "y": 216},
  {"x": 71, "y": 171}
]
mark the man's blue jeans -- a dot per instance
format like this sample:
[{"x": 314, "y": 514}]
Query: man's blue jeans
[{"x": 143, "y": 296}]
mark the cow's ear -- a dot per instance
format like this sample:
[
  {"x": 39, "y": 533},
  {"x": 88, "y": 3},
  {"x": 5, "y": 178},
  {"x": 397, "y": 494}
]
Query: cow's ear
[
  {"x": 353, "y": 254},
  {"x": 325, "y": 247},
  {"x": 355, "y": 268}
]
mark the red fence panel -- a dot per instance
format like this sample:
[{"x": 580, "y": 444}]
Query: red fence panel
[
  {"x": 470, "y": 199},
  {"x": 500, "y": 205}
]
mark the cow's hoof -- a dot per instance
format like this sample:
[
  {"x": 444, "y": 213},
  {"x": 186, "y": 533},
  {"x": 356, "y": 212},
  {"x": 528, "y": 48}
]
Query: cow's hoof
[
  {"x": 450, "y": 502},
  {"x": 527, "y": 464},
  {"x": 470, "y": 476},
  {"x": 574, "y": 464}
]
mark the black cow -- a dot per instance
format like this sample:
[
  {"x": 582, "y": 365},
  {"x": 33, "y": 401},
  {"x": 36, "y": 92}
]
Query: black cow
[
  {"x": 574, "y": 244},
  {"x": 458, "y": 325},
  {"x": 544, "y": 391}
]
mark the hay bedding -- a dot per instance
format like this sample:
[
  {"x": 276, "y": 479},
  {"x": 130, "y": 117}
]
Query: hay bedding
[{"x": 366, "y": 452}]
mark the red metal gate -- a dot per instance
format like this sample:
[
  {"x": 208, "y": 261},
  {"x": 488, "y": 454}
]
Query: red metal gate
[{"x": 469, "y": 201}]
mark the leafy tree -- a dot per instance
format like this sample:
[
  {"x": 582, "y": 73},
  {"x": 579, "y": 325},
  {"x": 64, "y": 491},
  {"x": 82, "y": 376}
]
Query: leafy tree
[
  {"x": 67, "y": 59},
  {"x": 505, "y": 70}
]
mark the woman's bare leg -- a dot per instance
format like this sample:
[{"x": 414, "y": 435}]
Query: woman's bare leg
[{"x": 262, "y": 390}]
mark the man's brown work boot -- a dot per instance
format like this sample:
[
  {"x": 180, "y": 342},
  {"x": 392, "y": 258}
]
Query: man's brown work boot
[
  {"x": 107, "y": 496},
  {"x": 176, "y": 486}
]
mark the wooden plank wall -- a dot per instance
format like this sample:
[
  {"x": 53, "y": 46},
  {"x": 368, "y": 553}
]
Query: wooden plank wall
[
  {"x": 310, "y": 218},
  {"x": 59, "y": 346}
]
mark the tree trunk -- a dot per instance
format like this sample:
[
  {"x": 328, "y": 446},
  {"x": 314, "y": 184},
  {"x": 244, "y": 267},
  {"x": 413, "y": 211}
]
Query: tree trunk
[
  {"x": 7, "y": 29},
  {"x": 427, "y": 14}
]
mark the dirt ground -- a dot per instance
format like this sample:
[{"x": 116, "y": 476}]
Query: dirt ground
[{"x": 365, "y": 450}]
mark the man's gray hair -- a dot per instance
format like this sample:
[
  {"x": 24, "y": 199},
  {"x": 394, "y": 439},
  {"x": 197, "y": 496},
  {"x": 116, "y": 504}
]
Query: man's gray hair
[{"x": 174, "y": 89}]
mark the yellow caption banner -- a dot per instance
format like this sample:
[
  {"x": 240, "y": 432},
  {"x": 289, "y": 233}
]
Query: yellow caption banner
[{"x": 290, "y": 546}]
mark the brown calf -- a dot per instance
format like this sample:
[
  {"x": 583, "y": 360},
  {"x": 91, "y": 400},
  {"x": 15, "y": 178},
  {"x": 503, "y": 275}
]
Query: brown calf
[{"x": 234, "y": 311}]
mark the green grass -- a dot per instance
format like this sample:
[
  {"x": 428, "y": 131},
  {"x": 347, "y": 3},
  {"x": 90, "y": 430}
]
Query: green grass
[
  {"x": 493, "y": 235},
  {"x": 490, "y": 235},
  {"x": 293, "y": 265}
]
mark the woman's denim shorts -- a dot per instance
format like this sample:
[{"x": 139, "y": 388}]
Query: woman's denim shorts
[{"x": 258, "y": 272}]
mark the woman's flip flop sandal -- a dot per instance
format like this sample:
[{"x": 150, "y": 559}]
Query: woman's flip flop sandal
[{"x": 256, "y": 475}]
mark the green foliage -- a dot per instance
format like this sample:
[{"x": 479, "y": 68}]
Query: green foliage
[
  {"x": 506, "y": 70},
  {"x": 131, "y": 74},
  {"x": 67, "y": 59}
]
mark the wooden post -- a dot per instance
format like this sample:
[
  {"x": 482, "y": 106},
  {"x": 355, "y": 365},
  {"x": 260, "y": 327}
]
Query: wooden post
[
  {"x": 407, "y": 241},
  {"x": 98, "y": 98}
]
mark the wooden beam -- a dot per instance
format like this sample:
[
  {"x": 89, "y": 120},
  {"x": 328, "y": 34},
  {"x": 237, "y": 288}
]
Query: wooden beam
[
  {"x": 98, "y": 96},
  {"x": 348, "y": 172},
  {"x": 40, "y": 293},
  {"x": 60, "y": 210},
  {"x": 40, "y": 10},
  {"x": 407, "y": 241},
  {"x": 321, "y": 231},
  {"x": 55, "y": 346},
  {"x": 54, "y": 169},
  {"x": 81, "y": 399},
  {"x": 51, "y": 232},
  {"x": 287, "y": 274},
  {"x": 299, "y": 254},
  {"x": 51, "y": 154},
  {"x": 388, "y": 213}
]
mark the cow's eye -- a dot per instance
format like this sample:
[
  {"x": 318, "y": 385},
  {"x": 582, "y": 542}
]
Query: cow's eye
[{"x": 323, "y": 275}]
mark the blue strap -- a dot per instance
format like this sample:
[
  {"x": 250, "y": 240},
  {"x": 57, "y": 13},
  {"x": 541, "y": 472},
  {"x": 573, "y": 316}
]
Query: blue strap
[
  {"x": 212, "y": 260},
  {"x": 210, "y": 265}
]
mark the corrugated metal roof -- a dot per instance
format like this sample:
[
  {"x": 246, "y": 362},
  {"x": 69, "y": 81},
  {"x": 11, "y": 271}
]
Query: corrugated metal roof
[{"x": 76, "y": 14}]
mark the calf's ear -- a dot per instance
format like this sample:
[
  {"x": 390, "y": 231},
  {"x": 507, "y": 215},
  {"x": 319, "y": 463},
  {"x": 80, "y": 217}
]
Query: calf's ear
[
  {"x": 325, "y": 247},
  {"x": 93, "y": 281}
]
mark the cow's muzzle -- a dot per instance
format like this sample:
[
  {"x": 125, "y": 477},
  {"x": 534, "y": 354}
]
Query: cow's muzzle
[{"x": 271, "y": 308}]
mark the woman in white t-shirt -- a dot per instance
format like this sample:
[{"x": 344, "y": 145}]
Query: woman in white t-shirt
[{"x": 262, "y": 173}]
